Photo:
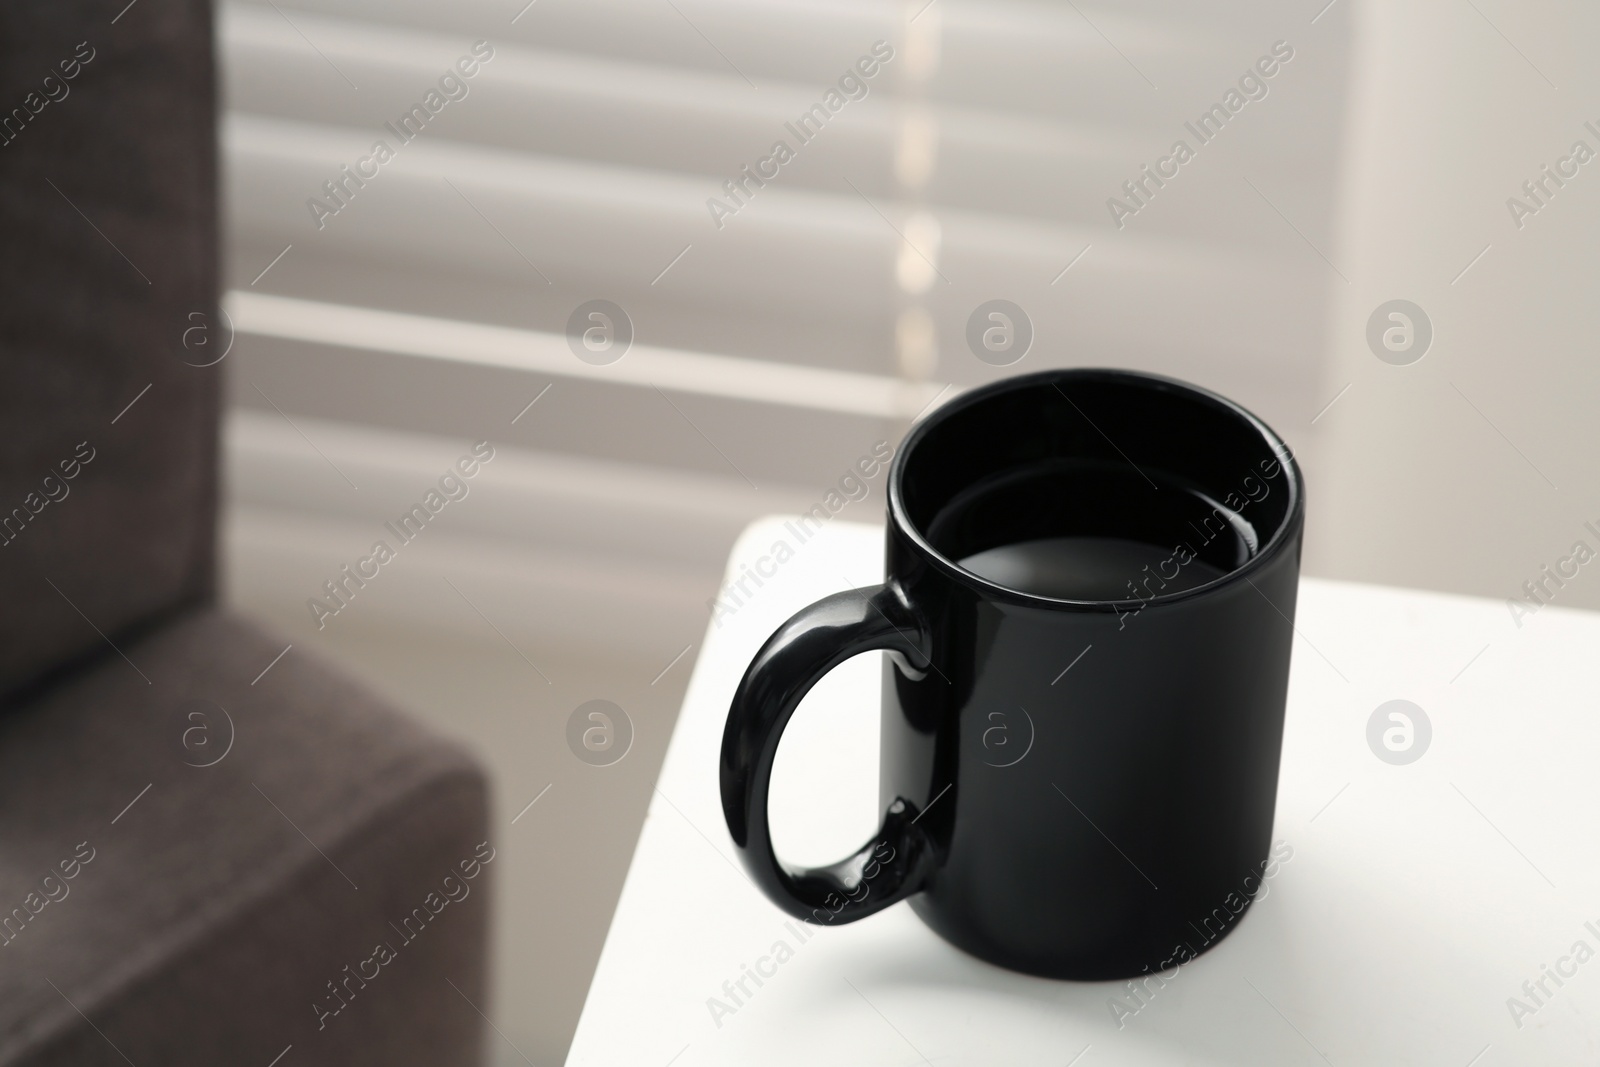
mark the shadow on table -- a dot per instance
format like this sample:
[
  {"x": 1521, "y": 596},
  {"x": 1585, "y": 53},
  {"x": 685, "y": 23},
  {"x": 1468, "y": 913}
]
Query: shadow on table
[{"x": 1254, "y": 998}]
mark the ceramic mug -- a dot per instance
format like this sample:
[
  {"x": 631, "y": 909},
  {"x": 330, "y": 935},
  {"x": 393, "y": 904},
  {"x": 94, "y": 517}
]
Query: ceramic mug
[{"x": 1088, "y": 611}]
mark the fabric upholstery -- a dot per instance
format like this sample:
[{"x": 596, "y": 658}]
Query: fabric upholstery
[
  {"x": 108, "y": 247},
  {"x": 215, "y": 909},
  {"x": 196, "y": 866}
]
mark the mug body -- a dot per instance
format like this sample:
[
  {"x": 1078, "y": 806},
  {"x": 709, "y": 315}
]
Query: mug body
[{"x": 1094, "y": 765}]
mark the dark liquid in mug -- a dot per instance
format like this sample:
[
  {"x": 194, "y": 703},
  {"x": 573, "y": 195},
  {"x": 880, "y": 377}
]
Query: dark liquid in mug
[
  {"x": 1086, "y": 568},
  {"x": 1093, "y": 531}
]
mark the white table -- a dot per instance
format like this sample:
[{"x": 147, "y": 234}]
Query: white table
[{"x": 1419, "y": 898}]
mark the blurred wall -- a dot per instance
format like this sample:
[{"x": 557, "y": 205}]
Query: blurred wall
[{"x": 1471, "y": 467}]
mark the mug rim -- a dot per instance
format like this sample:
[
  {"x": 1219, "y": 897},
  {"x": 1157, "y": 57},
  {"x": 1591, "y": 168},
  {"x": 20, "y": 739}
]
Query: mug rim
[{"x": 1286, "y": 531}]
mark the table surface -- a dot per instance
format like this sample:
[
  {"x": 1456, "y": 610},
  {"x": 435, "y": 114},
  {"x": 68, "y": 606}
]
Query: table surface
[{"x": 1417, "y": 901}]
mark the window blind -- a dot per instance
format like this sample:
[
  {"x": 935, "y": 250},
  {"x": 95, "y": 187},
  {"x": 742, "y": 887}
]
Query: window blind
[{"x": 626, "y": 150}]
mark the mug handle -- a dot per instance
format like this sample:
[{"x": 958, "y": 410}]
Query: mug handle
[{"x": 894, "y": 864}]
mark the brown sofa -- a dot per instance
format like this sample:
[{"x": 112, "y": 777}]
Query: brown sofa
[{"x": 208, "y": 853}]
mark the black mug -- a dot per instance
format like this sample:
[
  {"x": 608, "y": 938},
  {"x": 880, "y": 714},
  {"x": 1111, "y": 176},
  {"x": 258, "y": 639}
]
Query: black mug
[{"x": 1088, "y": 609}]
